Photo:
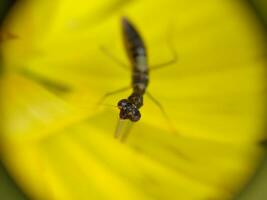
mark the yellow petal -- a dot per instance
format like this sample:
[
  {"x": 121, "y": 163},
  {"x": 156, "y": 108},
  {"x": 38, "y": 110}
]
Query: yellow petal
[{"x": 59, "y": 145}]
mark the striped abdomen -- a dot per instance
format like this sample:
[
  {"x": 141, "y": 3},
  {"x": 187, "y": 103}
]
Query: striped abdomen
[{"x": 137, "y": 53}]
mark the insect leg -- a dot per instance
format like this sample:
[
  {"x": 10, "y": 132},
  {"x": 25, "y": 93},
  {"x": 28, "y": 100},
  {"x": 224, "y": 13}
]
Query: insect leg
[
  {"x": 172, "y": 128},
  {"x": 123, "y": 129},
  {"x": 168, "y": 63},
  {"x": 112, "y": 93},
  {"x": 118, "y": 128},
  {"x": 114, "y": 58},
  {"x": 165, "y": 115},
  {"x": 127, "y": 131}
]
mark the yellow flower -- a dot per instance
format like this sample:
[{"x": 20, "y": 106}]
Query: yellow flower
[{"x": 58, "y": 144}]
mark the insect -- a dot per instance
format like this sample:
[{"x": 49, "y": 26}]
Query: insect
[
  {"x": 137, "y": 54},
  {"x": 136, "y": 50}
]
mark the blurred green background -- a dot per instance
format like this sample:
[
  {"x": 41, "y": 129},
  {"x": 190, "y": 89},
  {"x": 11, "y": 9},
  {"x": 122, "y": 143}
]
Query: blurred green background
[{"x": 255, "y": 190}]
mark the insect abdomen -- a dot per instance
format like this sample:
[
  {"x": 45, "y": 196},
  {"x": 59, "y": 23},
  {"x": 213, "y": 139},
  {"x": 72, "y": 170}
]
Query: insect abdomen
[
  {"x": 133, "y": 42},
  {"x": 140, "y": 82},
  {"x": 137, "y": 53}
]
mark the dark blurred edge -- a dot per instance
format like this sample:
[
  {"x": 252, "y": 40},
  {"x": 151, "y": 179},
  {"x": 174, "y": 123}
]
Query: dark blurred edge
[
  {"x": 256, "y": 189},
  {"x": 5, "y": 6},
  {"x": 8, "y": 188},
  {"x": 260, "y": 9}
]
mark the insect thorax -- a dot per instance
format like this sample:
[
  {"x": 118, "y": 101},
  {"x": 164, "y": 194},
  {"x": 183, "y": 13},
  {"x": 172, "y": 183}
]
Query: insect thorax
[{"x": 136, "y": 99}]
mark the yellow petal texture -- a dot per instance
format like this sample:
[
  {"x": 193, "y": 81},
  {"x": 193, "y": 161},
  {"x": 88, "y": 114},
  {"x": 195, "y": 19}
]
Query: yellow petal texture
[{"x": 57, "y": 144}]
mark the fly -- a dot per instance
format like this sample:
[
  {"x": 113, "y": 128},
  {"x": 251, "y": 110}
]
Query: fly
[{"x": 137, "y": 54}]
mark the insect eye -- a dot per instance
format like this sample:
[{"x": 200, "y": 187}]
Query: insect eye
[
  {"x": 122, "y": 103},
  {"x": 136, "y": 115},
  {"x": 123, "y": 114}
]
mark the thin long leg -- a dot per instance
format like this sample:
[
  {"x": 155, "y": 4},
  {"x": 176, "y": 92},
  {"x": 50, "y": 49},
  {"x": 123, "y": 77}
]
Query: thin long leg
[
  {"x": 118, "y": 128},
  {"x": 168, "y": 63},
  {"x": 114, "y": 58},
  {"x": 123, "y": 129},
  {"x": 173, "y": 129},
  {"x": 165, "y": 115},
  {"x": 127, "y": 132},
  {"x": 112, "y": 93}
]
